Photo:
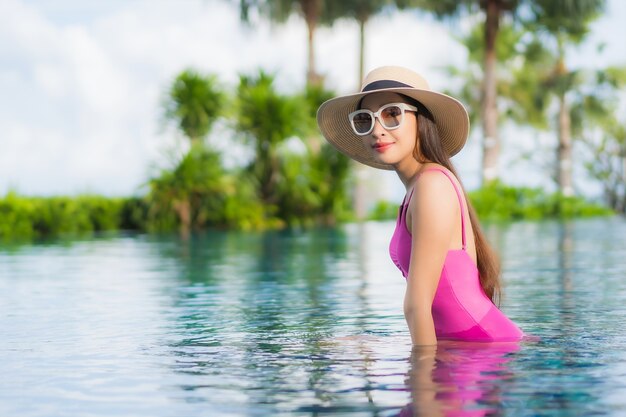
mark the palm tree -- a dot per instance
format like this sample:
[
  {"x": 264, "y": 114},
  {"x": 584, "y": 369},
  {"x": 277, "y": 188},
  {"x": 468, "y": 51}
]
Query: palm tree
[
  {"x": 560, "y": 23},
  {"x": 266, "y": 119},
  {"x": 328, "y": 170},
  {"x": 194, "y": 102},
  {"x": 595, "y": 122},
  {"x": 494, "y": 12},
  {"x": 514, "y": 93},
  {"x": 312, "y": 11},
  {"x": 609, "y": 163},
  {"x": 361, "y": 11},
  {"x": 191, "y": 195}
]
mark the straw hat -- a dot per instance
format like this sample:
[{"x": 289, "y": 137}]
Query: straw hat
[{"x": 450, "y": 115}]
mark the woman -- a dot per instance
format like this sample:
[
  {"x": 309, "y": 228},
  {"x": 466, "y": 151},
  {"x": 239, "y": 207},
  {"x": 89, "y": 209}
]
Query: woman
[{"x": 397, "y": 123}]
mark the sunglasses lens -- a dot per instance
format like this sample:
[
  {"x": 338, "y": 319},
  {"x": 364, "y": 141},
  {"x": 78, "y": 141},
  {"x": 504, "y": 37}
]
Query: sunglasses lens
[
  {"x": 362, "y": 122},
  {"x": 391, "y": 117}
]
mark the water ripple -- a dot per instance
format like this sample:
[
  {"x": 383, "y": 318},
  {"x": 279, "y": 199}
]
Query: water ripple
[{"x": 303, "y": 323}]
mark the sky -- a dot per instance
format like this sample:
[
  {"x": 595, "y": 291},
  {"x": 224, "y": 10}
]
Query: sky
[{"x": 82, "y": 82}]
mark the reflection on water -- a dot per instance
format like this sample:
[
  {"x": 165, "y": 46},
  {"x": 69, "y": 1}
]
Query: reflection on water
[
  {"x": 303, "y": 323},
  {"x": 458, "y": 379}
]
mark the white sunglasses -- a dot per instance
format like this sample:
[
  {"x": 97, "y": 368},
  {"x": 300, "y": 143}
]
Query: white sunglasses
[{"x": 390, "y": 116}]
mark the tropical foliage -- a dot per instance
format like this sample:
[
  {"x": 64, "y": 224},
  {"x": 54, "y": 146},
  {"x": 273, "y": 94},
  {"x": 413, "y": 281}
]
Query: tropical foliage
[
  {"x": 291, "y": 178},
  {"x": 314, "y": 13},
  {"x": 194, "y": 102},
  {"x": 517, "y": 72},
  {"x": 499, "y": 202},
  {"x": 557, "y": 23},
  {"x": 494, "y": 14},
  {"x": 266, "y": 119},
  {"x": 32, "y": 217},
  {"x": 596, "y": 124}
]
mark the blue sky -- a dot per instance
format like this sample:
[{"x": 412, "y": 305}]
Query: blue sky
[{"x": 81, "y": 82}]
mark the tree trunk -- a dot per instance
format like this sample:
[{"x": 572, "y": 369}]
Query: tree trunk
[
  {"x": 311, "y": 12},
  {"x": 311, "y": 74},
  {"x": 491, "y": 141},
  {"x": 362, "y": 23},
  {"x": 360, "y": 170},
  {"x": 564, "y": 150},
  {"x": 622, "y": 187},
  {"x": 182, "y": 208},
  {"x": 266, "y": 169}
]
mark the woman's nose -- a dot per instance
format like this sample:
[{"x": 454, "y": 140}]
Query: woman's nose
[{"x": 378, "y": 129}]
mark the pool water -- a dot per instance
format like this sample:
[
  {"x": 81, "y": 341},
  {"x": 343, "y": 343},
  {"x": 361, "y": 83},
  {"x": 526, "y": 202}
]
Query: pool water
[{"x": 303, "y": 323}]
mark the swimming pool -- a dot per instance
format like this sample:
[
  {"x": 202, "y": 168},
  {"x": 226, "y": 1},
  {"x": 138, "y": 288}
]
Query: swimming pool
[{"x": 303, "y": 323}]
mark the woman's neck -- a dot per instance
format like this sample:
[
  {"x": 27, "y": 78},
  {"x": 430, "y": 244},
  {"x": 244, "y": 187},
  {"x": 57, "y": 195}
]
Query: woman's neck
[{"x": 408, "y": 170}]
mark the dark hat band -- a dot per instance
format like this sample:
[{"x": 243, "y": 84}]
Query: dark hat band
[{"x": 381, "y": 84}]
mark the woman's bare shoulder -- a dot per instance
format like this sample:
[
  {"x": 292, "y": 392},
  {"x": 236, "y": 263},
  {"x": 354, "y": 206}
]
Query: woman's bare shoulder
[
  {"x": 434, "y": 198},
  {"x": 433, "y": 182}
]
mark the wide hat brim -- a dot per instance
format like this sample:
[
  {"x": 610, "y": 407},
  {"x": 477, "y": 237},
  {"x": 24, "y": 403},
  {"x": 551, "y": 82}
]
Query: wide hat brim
[{"x": 450, "y": 116}]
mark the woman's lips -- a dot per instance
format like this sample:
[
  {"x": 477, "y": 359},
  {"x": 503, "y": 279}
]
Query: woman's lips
[{"x": 382, "y": 146}]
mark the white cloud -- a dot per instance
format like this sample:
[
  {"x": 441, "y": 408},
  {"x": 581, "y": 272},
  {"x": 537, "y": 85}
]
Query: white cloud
[{"x": 82, "y": 82}]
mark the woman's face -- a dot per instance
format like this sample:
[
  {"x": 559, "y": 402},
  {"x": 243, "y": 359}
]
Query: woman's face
[{"x": 394, "y": 146}]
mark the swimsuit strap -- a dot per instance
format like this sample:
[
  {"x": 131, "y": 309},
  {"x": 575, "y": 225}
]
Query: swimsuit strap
[{"x": 458, "y": 195}]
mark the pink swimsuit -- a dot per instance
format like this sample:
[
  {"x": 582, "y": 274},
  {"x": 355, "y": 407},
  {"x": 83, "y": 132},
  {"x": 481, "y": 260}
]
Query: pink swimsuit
[{"x": 461, "y": 310}]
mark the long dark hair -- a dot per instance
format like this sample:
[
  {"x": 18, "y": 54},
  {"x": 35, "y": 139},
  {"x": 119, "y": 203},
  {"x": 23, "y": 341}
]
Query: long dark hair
[{"x": 428, "y": 149}]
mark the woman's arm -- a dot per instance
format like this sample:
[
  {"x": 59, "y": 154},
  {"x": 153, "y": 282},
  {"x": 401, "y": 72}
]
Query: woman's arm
[
  {"x": 424, "y": 390},
  {"x": 433, "y": 210}
]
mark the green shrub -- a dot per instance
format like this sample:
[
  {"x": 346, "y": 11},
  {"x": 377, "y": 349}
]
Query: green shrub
[
  {"x": 499, "y": 202},
  {"x": 33, "y": 217},
  {"x": 16, "y": 217},
  {"x": 134, "y": 214},
  {"x": 103, "y": 213},
  {"x": 60, "y": 215},
  {"x": 191, "y": 195},
  {"x": 384, "y": 210},
  {"x": 243, "y": 209},
  {"x": 569, "y": 207}
]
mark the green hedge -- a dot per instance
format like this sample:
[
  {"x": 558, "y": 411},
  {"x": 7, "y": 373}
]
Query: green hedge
[
  {"x": 499, "y": 202},
  {"x": 384, "y": 210},
  {"x": 32, "y": 217},
  {"x": 35, "y": 217},
  {"x": 27, "y": 218}
]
